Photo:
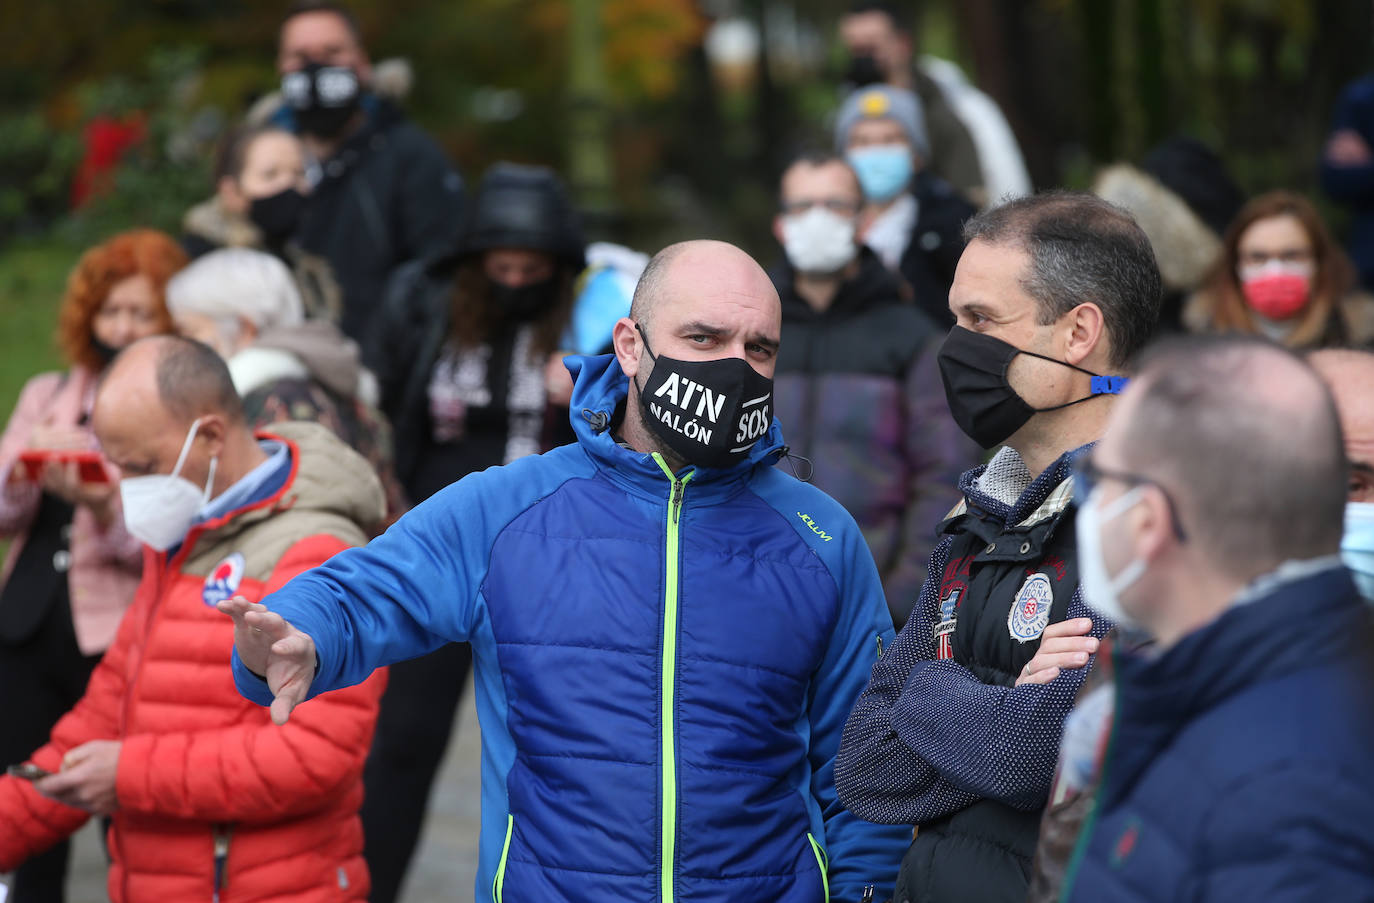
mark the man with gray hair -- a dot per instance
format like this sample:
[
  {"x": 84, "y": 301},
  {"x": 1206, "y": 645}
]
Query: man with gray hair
[
  {"x": 1210, "y": 523},
  {"x": 1054, "y": 295}
]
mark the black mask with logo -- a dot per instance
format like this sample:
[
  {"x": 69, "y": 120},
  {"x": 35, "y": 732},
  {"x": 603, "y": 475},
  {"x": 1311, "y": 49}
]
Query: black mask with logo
[
  {"x": 709, "y": 413},
  {"x": 974, "y": 368},
  {"x": 863, "y": 70},
  {"x": 277, "y": 215},
  {"x": 323, "y": 98},
  {"x": 520, "y": 303}
]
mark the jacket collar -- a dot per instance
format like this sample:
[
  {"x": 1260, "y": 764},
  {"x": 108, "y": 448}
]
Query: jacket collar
[
  {"x": 1294, "y": 625},
  {"x": 600, "y": 392},
  {"x": 1047, "y": 496}
]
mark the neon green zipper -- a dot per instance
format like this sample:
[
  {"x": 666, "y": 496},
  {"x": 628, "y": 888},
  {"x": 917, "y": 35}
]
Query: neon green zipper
[
  {"x": 667, "y": 733},
  {"x": 498, "y": 884},
  {"x": 823, "y": 863}
]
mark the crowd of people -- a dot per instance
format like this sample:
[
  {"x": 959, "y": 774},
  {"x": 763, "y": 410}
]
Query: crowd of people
[{"x": 991, "y": 545}]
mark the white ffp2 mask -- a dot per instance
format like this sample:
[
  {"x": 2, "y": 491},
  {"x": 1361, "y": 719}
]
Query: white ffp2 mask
[
  {"x": 1100, "y": 590},
  {"x": 819, "y": 241},
  {"x": 158, "y": 507}
]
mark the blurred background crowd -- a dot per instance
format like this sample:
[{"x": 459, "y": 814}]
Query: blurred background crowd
[{"x": 188, "y": 165}]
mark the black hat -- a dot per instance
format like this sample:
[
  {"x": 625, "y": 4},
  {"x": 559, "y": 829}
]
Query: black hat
[
  {"x": 524, "y": 207},
  {"x": 1194, "y": 172}
]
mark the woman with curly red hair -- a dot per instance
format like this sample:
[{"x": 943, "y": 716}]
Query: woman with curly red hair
[
  {"x": 72, "y": 568},
  {"x": 1280, "y": 274}
]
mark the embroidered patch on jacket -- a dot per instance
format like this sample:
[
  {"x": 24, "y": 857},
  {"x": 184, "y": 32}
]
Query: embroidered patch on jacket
[
  {"x": 1030, "y": 612},
  {"x": 1126, "y": 843},
  {"x": 223, "y": 581},
  {"x": 944, "y": 631}
]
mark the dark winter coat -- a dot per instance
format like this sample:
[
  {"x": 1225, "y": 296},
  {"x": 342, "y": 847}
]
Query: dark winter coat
[
  {"x": 859, "y": 393},
  {"x": 937, "y": 242},
  {"x": 1238, "y": 767},
  {"x": 388, "y": 195}
]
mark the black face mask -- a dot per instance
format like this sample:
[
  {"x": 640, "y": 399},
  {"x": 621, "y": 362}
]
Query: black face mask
[
  {"x": 106, "y": 353},
  {"x": 709, "y": 413},
  {"x": 323, "y": 98},
  {"x": 974, "y": 368},
  {"x": 524, "y": 302},
  {"x": 863, "y": 70},
  {"x": 277, "y": 215}
]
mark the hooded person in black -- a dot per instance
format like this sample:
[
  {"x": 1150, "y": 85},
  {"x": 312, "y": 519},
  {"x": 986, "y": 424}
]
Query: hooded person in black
[{"x": 857, "y": 384}]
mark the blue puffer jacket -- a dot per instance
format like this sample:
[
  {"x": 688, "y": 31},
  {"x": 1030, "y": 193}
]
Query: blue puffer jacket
[
  {"x": 1239, "y": 764},
  {"x": 664, "y": 665}
]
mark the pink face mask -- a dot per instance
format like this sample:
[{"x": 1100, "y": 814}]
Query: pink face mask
[{"x": 1276, "y": 290}]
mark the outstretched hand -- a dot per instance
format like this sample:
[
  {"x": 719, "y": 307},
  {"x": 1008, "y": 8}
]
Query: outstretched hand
[
  {"x": 269, "y": 646},
  {"x": 1063, "y": 647}
]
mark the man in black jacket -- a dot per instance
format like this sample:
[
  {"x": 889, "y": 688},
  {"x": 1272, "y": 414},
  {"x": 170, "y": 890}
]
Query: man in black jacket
[
  {"x": 857, "y": 384},
  {"x": 384, "y": 193},
  {"x": 1054, "y": 295}
]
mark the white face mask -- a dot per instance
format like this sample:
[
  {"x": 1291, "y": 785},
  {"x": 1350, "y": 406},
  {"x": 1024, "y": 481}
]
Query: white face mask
[
  {"x": 1357, "y": 545},
  {"x": 159, "y": 508},
  {"x": 1101, "y": 591},
  {"x": 819, "y": 241}
]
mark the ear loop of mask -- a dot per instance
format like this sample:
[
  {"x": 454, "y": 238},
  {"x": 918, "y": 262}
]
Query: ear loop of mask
[
  {"x": 1100, "y": 385},
  {"x": 181, "y": 459}
]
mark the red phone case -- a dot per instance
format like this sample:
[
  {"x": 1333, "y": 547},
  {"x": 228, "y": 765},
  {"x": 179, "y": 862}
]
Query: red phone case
[{"x": 89, "y": 465}]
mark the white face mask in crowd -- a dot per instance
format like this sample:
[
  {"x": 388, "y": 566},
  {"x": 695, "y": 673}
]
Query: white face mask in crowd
[
  {"x": 1100, "y": 590},
  {"x": 159, "y": 508},
  {"x": 1357, "y": 545},
  {"x": 819, "y": 241}
]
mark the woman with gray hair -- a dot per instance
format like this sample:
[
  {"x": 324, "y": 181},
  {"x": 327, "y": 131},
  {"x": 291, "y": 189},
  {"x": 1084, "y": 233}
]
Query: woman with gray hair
[{"x": 245, "y": 305}]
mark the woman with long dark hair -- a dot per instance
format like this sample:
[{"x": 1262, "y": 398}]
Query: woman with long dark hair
[{"x": 1280, "y": 274}]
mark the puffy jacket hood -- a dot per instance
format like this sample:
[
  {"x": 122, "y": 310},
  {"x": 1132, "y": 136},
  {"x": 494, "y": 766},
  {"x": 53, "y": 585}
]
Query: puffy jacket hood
[
  {"x": 327, "y": 478},
  {"x": 600, "y": 390}
]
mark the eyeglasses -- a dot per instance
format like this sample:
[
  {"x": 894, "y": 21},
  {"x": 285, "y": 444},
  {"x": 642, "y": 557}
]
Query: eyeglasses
[
  {"x": 1086, "y": 476},
  {"x": 834, "y": 205}
]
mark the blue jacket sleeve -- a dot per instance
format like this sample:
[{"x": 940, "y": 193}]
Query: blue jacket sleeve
[
  {"x": 859, "y": 853},
  {"x": 928, "y": 738},
  {"x": 413, "y": 588},
  {"x": 1354, "y": 111}
]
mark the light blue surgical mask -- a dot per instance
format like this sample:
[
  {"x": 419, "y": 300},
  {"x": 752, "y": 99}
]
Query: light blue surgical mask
[
  {"x": 884, "y": 170},
  {"x": 1357, "y": 545}
]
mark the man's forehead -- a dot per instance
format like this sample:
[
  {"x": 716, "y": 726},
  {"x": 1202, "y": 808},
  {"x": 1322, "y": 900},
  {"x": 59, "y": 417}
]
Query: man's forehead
[{"x": 829, "y": 179}]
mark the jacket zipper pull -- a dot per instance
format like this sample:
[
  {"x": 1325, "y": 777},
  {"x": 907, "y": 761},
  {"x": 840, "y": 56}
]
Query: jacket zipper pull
[
  {"x": 868, "y": 894},
  {"x": 222, "y": 833},
  {"x": 679, "y": 487}
]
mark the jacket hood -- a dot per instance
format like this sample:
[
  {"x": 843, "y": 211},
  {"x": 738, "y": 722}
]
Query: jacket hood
[
  {"x": 1301, "y": 623},
  {"x": 325, "y": 353},
  {"x": 210, "y": 221},
  {"x": 600, "y": 392},
  {"x": 329, "y": 476},
  {"x": 1184, "y": 245},
  {"x": 871, "y": 287}
]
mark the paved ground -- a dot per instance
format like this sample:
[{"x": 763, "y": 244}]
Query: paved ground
[{"x": 445, "y": 866}]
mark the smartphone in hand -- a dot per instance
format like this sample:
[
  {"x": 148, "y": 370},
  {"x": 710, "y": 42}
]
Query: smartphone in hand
[
  {"x": 88, "y": 462},
  {"x": 27, "y": 771}
]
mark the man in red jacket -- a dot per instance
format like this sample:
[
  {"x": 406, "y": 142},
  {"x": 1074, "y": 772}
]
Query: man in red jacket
[{"x": 208, "y": 799}]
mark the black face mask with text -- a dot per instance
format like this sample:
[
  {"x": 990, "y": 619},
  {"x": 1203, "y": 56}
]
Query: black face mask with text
[
  {"x": 974, "y": 368},
  {"x": 708, "y": 413},
  {"x": 323, "y": 98}
]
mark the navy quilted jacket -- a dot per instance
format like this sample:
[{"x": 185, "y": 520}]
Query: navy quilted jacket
[
  {"x": 1239, "y": 764},
  {"x": 663, "y": 665}
]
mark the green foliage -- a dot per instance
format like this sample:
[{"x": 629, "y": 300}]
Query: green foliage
[
  {"x": 170, "y": 169},
  {"x": 35, "y": 168},
  {"x": 32, "y": 276}
]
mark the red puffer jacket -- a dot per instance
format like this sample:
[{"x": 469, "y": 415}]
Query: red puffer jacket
[{"x": 210, "y": 791}]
